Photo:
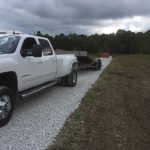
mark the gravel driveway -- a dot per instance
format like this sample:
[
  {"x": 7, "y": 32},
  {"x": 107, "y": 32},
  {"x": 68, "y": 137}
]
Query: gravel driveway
[{"x": 39, "y": 118}]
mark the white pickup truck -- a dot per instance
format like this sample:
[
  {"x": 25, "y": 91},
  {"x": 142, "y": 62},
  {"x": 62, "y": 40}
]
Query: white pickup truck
[{"x": 29, "y": 64}]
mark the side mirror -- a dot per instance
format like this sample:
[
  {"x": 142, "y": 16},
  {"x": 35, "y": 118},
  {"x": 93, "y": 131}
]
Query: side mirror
[{"x": 37, "y": 50}]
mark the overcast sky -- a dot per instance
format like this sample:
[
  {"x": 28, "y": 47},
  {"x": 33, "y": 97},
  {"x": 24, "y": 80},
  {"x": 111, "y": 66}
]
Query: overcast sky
[{"x": 75, "y": 16}]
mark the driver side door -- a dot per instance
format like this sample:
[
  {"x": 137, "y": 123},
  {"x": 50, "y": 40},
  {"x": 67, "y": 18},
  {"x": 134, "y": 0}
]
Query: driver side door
[{"x": 31, "y": 72}]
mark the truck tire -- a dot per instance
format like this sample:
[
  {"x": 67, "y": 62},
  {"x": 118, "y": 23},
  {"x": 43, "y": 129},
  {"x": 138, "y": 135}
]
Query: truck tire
[
  {"x": 98, "y": 65},
  {"x": 62, "y": 81},
  {"x": 6, "y": 104},
  {"x": 71, "y": 79}
]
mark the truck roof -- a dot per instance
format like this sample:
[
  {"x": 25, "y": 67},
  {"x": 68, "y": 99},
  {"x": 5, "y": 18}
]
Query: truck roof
[{"x": 20, "y": 35}]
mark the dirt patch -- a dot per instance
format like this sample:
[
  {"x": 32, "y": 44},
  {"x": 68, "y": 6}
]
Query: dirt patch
[{"x": 115, "y": 113}]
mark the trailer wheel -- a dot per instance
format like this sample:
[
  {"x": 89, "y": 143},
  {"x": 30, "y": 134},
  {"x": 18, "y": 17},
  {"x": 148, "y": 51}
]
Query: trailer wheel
[
  {"x": 71, "y": 79},
  {"x": 98, "y": 65},
  {"x": 6, "y": 105}
]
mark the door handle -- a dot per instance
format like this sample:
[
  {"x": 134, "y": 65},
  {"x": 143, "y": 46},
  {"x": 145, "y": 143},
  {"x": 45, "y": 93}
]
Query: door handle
[
  {"x": 53, "y": 59},
  {"x": 40, "y": 61}
]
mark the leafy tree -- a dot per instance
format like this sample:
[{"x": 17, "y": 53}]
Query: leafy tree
[{"x": 123, "y": 42}]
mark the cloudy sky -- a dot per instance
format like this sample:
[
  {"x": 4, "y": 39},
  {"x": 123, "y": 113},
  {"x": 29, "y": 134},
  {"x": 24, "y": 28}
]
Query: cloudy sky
[{"x": 75, "y": 16}]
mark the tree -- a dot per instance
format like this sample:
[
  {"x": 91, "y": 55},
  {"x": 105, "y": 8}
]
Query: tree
[{"x": 123, "y": 42}]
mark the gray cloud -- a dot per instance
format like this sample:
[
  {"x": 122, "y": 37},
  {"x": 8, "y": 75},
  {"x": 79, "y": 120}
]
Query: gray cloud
[{"x": 68, "y": 16}]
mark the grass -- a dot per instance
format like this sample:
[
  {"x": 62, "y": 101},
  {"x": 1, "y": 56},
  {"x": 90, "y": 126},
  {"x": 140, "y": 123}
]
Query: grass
[{"x": 115, "y": 113}]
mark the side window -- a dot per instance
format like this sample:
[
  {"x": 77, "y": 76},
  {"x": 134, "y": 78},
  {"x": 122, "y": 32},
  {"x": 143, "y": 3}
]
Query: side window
[
  {"x": 27, "y": 46},
  {"x": 46, "y": 49}
]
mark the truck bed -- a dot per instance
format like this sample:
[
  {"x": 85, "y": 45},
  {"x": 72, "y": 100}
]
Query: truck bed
[{"x": 84, "y": 61}]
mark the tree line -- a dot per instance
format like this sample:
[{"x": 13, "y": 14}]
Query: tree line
[{"x": 121, "y": 42}]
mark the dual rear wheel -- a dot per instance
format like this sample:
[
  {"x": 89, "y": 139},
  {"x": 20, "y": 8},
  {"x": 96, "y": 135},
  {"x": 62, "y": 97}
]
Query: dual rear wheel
[{"x": 69, "y": 80}]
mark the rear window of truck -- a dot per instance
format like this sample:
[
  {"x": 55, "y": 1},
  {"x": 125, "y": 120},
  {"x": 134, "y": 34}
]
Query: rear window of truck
[{"x": 46, "y": 48}]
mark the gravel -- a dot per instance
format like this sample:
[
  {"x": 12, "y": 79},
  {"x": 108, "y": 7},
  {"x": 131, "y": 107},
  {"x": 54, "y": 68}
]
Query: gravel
[{"x": 38, "y": 119}]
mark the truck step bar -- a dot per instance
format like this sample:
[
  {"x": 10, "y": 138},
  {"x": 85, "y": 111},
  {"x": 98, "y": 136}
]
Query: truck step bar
[{"x": 34, "y": 90}]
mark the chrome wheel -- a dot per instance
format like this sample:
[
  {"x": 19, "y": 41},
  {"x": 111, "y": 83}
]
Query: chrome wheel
[{"x": 5, "y": 106}]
